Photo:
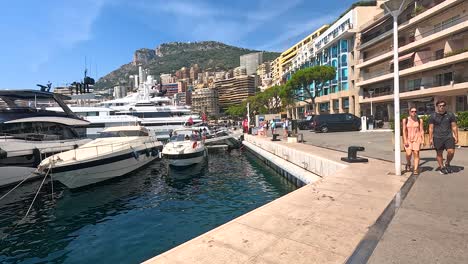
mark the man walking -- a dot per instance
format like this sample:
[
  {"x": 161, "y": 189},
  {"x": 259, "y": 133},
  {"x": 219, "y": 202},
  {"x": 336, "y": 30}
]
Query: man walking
[{"x": 443, "y": 134}]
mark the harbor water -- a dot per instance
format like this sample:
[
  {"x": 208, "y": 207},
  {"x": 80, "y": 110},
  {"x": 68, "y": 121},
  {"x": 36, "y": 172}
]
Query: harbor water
[{"x": 131, "y": 219}]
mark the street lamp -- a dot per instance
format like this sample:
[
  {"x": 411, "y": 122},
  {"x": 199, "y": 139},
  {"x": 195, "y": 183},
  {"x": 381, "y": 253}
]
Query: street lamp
[
  {"x": 371, "y": 92},
  {"x": 395, "y": 7}
]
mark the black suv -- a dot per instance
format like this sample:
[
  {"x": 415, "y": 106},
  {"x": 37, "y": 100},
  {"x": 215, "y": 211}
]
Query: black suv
[
  {"x": 336, "y": 122},
  {"x": 306, "y": 123}
]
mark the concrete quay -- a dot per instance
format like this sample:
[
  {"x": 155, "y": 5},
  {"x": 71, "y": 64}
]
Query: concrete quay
[{"x": 325, "y": 221}]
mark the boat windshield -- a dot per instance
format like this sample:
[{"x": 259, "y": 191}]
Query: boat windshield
[
  {"x": 33, "y": 104},
  {"x": 183, "y": 137},
  {"x": 123, "y": 133}
]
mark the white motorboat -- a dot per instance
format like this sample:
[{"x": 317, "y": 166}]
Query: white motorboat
[
  {"x": 118, "y": 151},
  {"x": 29, "y": 132},
  {"x": 185, "y": 148}
]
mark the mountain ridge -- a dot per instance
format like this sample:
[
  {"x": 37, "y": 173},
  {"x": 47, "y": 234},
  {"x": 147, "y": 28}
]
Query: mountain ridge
[{"x": 169, "y": 57}]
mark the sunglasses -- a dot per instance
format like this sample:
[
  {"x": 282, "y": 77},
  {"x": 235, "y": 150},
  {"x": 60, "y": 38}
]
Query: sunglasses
[
  {"x": 441, "y": 105},
  {"x": 413, "y": 111}
]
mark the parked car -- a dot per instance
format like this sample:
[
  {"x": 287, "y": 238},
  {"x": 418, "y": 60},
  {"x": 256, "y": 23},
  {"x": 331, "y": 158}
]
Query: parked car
[
  {"x": 306, "y": 123},
  {"x": 278, "y": 122},
  {"x": 336, "y": 122}
]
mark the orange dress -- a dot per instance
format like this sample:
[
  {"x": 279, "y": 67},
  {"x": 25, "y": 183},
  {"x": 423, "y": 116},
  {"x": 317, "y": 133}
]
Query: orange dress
[{"x": 414, "y": 134}]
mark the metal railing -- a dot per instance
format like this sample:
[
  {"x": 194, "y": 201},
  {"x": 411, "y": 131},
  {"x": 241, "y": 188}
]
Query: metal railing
[
  {"x": 409, "y": 88},
  {"x": 414, "y": 63},
  {"x": 412, "y": 38}
]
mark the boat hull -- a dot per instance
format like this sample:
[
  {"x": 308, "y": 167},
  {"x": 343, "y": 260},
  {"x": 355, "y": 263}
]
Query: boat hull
[
  {"x": 98, "y": 170},
  {"x": 14, "y": 174},
  {"x": 185, "y": 160}
]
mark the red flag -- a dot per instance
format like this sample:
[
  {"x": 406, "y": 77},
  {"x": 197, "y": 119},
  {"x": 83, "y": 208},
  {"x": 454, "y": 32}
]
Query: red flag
[
  {"x": 203, "y": 117},
  {"x": 190, "y": 121}
]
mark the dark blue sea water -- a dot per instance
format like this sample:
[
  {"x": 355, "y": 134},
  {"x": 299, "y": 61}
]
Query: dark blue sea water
[{"x": 134, "y": 218}]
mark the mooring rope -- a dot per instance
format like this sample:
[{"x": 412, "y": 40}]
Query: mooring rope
[
  {"x": 21, "y": 182},
  {"x": 37, "y": 193},
  {"x": 29, "y": 209}
]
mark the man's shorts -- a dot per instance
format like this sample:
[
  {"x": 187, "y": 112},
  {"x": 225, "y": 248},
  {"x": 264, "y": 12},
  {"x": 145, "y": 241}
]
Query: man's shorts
[{"x": 444, "y": 143}]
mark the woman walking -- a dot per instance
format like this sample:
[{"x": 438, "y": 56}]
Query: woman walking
[{"x": 413, "y": 133}]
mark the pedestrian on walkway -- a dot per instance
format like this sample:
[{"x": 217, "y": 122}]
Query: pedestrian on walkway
[
  {"x": 285, "y": 128},
  {"x": 413, "y": 137},
  {"x": 273, "y": 126},
  {"x": 443, "y": 134},
  {"x": 245, "y": 125}
]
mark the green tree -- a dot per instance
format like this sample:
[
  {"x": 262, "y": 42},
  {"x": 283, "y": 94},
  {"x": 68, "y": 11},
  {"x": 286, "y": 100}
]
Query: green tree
[
  {"x": 297, "y": 87},
  {"x": 237, "y": 110}
]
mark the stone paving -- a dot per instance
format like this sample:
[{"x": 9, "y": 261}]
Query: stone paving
[{"x": 431, "y": 225}]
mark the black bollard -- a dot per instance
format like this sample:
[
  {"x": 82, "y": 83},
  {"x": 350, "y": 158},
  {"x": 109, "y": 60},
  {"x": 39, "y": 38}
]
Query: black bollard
[{"x": 352, "y": 155}]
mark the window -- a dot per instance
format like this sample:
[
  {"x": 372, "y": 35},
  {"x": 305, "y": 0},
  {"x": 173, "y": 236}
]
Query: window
[
  {"x": 324, "y": 107},
  {"x": 336, "y": 104},
  {"x": 334, "y": 51},
  {"x": 344, "y": 60},
  {"x": 345, "y": 103},
  {"x": 344, "y": 86},
  {"x": 414, "y": 84},
  {"x": 334, "y": 63},
  {"x": 443, "y": 79},
  {"x": 439, "y": 54},
  {"x": 334, "y": 89},
  {"x": 344, "y": 45},
  {"x": 344, "y": 74}
]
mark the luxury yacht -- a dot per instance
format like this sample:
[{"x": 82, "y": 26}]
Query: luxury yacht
[
  {"x": 30, "y": 133},
  {"x": 118, "y": 151}
]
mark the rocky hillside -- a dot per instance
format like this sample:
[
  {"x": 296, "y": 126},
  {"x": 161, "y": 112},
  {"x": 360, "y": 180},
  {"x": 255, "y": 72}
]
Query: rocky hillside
[{"x": 169, "y": 57}]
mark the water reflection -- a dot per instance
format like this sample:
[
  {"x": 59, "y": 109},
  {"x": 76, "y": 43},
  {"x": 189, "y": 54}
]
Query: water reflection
[{"x": 130, "y": 219}]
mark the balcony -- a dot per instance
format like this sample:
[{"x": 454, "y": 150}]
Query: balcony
[
  {"x": 445, "y": 87},
  {"x": 421, "y": 16},
  {"x": 458, "y": 25},
  {"x": 335, "y": 33},
  {"x": 428, "y": 63}
]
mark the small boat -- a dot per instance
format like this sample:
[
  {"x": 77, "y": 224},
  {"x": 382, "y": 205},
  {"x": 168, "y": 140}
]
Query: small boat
[
  {"x": 185, "y": 148},
  {"x": 118, "y": 151}
]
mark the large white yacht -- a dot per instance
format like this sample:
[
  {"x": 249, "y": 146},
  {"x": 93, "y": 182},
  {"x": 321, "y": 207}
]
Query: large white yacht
[
  {"x": 29, "y": 132},
  {"x": 147, "y": 106},
  {"x": 118, "y": 151}
]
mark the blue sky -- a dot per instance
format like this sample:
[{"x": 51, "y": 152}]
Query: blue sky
[{"x": 49, "y": 40}]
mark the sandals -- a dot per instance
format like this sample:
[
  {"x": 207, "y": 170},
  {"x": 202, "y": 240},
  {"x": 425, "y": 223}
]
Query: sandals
[
  {"x": 416, "y": 172},
  {"x": 408, "y": 167}
]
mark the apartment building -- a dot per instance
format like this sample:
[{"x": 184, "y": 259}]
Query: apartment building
[
  {"x": 235, "y": 90},
  {"x": 334, "y": 47},
  {"x": 275, "y": 68},
  {"x": 251, "y": 61},
  {"x": 433, "y": 59},
  {"x": 264, "y": 75},
  {"x": 288, "y": 56},
  {"x": 206, "y": 100}
]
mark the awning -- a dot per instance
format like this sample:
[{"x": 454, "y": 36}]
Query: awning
[{"x": 404, "y": 57}]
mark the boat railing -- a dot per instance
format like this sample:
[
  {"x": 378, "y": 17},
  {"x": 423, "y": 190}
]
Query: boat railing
[
  {"x": 105, "y": 149},
  {"x": 31, "y": 137}
]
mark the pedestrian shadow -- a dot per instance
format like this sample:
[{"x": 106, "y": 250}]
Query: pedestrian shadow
[
  {"x": 425, "y": 168},
  {"x": 426, "y": 160},
  {"x": 456, "y": 169}
]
